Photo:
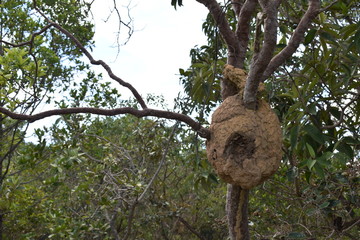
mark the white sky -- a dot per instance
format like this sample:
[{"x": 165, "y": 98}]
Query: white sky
[{"x": 160, "y": 45}]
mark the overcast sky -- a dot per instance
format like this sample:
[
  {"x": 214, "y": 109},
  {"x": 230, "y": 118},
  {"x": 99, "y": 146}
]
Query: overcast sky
[{"x": 159, "y": 46}]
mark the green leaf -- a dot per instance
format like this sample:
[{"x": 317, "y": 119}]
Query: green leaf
[
  {"x": 323, "y": 160},
  {"x": 346, "y": 149},
  {"x": 310, "y": 150},
  {"x": 324, "y": 205},
  {"x": 357, "y": 41},
  {"x": 341, "y": 158},
  {"x": 308, "y": 176},
  {"x": 315, "y": 133},
  {"x": 335, "y": 112},
  {"x": 327, "y": 36},
  {"x": 310, "y": 163},
  {"x": 319, "y": 171},
  {"x": 311, "y": 211},
  {"x": 294, "y": 132},
  {"x": 351, "y": 140},
  {"x": 50, "y": 2},
  {"x": 348, "y": 30},
  {"x": 322, "y": 17},
  {"x": 310, "y": 36}
]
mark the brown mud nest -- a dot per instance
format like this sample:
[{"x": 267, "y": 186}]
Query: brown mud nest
[{"x": 245, "y": 145}]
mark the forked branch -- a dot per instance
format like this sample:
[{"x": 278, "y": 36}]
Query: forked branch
[
  {"x": 261, "y": 61},
  {"x": 295, "y": 40}
]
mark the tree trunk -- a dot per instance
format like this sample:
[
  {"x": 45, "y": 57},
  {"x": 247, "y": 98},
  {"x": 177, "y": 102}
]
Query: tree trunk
[
  {"x": 237, "y": 198},
  {"x": 237, "y": 212}
]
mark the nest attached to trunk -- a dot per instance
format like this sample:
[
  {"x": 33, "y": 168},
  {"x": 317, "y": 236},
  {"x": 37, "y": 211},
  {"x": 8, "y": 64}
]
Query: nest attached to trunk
[{"x": 245, "y": 145}]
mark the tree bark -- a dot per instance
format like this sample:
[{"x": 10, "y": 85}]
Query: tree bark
[
  {"x": 237, "y": 212},
  {"x": 260, "y": 61}
]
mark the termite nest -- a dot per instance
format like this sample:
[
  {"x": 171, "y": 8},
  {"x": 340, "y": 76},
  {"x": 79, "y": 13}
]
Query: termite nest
[{"x": 245, "y": 145}]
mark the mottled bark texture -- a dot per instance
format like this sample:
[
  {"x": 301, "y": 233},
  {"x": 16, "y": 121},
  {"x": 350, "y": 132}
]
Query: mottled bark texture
[
  {"x": 258, "y": 65},
  {"x": 237, "y": 212}
]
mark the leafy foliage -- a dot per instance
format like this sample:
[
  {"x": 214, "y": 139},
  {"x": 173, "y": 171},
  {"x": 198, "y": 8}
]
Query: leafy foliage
[{"x": 97, "y": 173}]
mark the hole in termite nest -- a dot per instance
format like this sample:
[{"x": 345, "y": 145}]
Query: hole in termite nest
[{"x": 239, "y": 147}]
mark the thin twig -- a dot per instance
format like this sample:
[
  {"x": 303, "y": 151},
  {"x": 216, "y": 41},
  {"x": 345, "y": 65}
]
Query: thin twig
[
  {"x": 352, "y": 225},
  {"x": 162, "y": 161},
  {"x": 183, "y": 221},
  {"x": 95, "y": 62}
]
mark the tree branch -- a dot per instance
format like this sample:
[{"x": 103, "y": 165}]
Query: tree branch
[
  {"x": 96, "y": 62},
  {"x": 130, "y": 219},
  {"x": 31, "y": 41},
  {"x": 183, "y": 221},
  {"x": 225, "y": 30},
  {"x": 243, "y": 28},
  {"x": 258, "y": 65},
  {"x": 295, "y": 40},
  {"x": 203, "y": 132},
  {"x": 237, "y": 5},
  {"x": 227, "y": 87}
]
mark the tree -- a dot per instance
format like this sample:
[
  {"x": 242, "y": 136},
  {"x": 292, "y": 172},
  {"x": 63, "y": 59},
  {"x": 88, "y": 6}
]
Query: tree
[
  {"x": 32, "y": 72},
  {"x": 254, "y": 25}
]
